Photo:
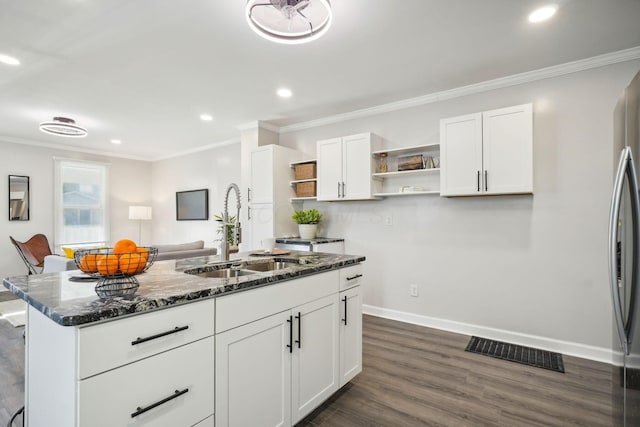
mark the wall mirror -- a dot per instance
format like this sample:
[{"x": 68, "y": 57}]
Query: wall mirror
[{"x": 18, "y": 198}]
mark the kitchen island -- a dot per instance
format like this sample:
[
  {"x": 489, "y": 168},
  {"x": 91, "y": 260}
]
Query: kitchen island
[{"x": 198, "y": 343}]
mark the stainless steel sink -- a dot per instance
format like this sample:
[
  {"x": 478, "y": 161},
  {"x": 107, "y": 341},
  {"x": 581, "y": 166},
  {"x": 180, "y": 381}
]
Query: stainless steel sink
[
  {"x": 223, "y": 273},
  {"x": 270, "y": 265}
]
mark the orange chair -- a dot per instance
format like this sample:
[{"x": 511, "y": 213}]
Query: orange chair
[{"x": 33, "y": 252}]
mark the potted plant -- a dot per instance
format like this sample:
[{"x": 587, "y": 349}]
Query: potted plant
[
  {"x": 307, "y": 221},
  {"x": 230, "y": 230}
]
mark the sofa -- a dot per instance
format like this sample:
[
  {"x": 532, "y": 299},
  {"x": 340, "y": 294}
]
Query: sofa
[
  {"x": 53, "y": 263},
  {"x": 183, "y": 250}
]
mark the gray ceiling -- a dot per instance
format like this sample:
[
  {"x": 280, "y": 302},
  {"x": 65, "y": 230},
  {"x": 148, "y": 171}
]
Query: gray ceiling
[{"x": 143, "y": 71}]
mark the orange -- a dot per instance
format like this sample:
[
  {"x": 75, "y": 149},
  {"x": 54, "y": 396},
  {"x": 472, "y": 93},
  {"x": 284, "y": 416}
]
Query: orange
[
  {"x": 107, "y": 264},
  {"x": 144, "y": 253},
  {"x": 131, "y": 263},
  {"x": 124, "y": 246},
  {"x": 88, "y": 263}
]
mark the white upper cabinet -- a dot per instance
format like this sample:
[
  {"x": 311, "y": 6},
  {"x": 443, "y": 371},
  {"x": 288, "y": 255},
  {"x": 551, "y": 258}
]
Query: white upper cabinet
[
  {"x": 345, "y": 166},
  {"x": 487, "y": 153},
  {"x": 262, "y": 171},
  {"x": 269, "y": 210}
]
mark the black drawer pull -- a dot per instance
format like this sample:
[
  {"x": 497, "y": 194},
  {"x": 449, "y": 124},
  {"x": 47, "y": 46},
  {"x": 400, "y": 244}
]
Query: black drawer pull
[
  {"x": 299, "y": 340},
  {"x": 354, "y": 277},
  {"x": 161, "y": 334},
  {"x": 345, "y": 309},
  {"x": 140, "y": 410},
  {"x": 290, "y": 345}
]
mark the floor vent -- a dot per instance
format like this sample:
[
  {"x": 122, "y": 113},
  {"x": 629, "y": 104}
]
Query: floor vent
[{"x": 517, "y": 353}]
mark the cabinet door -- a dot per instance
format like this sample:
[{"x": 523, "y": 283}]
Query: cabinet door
[
  {"x": 507, "y": 140},
  {"x": 461, "y": 155},
  {"x": 329, "y": 168},
  {"x": 350, "y": 334},
  {"x": 253, "y": 381},
  {"x": 261, "y": 190},
  {"x": 315, "y": 368},
  {"x": 261, "y": 224},
  {"x": 356, "y": 167}
]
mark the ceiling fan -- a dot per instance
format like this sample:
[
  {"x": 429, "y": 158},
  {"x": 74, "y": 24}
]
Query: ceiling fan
[{"x": 289, "y": 21}]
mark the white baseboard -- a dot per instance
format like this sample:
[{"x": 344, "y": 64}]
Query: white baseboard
[{"x": 599, "y": 354}]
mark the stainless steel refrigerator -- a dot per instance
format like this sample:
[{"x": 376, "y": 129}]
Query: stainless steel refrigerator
[{"x": 624, "y": 257}]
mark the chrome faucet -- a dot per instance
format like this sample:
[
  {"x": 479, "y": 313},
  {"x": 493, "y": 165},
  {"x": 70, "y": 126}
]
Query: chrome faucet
[{"x": 237, "y": 235}]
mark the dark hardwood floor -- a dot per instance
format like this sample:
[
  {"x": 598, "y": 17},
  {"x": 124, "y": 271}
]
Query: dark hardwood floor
[{"x": 416, "y": 376}]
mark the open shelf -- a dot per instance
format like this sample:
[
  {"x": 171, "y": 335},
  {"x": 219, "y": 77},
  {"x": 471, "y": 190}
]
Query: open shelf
[
  {"x": 392, "y": 152},
  {"x": 405, "y": 173},
  {"x": 302, "y": 180},
  {"x": 302, "y": 162},
  {"x": 301, "y": 199},
  {"x": 406, "y": 193}
]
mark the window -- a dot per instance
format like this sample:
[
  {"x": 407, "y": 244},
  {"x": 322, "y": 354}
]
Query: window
[{"x": 81, "y": 211}]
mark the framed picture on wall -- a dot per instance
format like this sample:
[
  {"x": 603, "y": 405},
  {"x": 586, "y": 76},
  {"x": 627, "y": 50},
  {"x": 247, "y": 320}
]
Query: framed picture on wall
[{"x": 192, "y": 205}]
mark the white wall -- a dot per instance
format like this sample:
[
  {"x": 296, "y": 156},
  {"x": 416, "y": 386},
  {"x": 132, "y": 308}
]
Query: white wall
[
  {"x": 213, "y": 169},
  {"x": 530, "y": 265},
  {"x": 129, "y": 183}
]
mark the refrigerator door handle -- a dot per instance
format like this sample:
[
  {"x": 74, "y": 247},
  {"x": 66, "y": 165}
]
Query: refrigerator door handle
[{"x": 625, "y": 167}]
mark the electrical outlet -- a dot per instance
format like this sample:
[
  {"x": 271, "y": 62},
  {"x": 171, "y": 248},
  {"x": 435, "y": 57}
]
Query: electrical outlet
[
  {"x": 413, "y": 290},
  {"x": 388, "y": 220}
]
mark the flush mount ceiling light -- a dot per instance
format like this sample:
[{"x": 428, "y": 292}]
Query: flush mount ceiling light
[
  {"x": 206, "y": 117},
  {"x": 543, "y": 13},
  {"x": 116, "y": 141},
  {"x": 63, "y": 126},
  {"x": 289, "y": 21}
]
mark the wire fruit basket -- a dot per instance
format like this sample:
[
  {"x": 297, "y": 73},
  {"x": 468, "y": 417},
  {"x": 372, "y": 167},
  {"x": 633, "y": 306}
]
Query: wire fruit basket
[{"x": 115, "y": 271}]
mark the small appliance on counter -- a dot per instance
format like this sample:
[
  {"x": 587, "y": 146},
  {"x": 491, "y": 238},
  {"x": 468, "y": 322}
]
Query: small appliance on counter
[{"x": 319, "y": 244}]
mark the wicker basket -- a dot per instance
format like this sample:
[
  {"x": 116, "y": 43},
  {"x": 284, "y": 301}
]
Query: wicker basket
[
  {"x": 305, "y": 171},
  {"x": 306, "y": 189}
]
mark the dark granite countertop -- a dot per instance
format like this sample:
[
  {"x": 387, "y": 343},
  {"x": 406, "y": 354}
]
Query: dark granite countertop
[
  {"x": 70, "y": 303},
  {"x": 317, "y": 240}
]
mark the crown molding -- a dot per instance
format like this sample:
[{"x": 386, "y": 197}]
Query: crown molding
[
  {"x": 198, "y": 149},
  {"x": 24, "y": 141},
  {"x": 258, "y": 124},
  {"x": 503, "y": 82}
]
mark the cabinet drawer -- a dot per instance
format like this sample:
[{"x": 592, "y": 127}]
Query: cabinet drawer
[
  {"x": 180, "y": 383},
  {"x": 350, "y": 276},
  {"x": 109, "y": 345}
]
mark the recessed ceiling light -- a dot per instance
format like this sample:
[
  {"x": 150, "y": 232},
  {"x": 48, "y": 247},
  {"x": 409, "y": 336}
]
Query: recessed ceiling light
[
  {"x": 284, "y": 93},
  {"x": 63, "y": 126},
  {"x": 206, "y": 117},
  {"x": 9, "y": 60},
  {"x": 543, "y": 13},
  {"x": 116, "y": 141}
]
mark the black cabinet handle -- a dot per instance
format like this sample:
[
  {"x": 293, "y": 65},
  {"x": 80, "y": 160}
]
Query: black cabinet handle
[
  {"x": 248, "y": 194},
  {"x": 345, "y": 309},
  {"x": 249, "y": 213},
  {"x": 299, "y": 340},
  {"x": 478, "y": 181},
  {"x": 175, "y": 394},
  {"x": 486, "y": 184},
  {"x": 161, "y": 334},
  {"x": 354, "y": 277},
  {"x": 290, "y": 345}
]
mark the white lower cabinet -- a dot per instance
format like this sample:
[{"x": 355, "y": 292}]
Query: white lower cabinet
[
  {"x": 254, "y": 370},
  {"x": 285, "y": 365},
  {"x": 315, "y": 365},
  {"x": 152, "y": 392},
  {"x": 350, "y": 334}
]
